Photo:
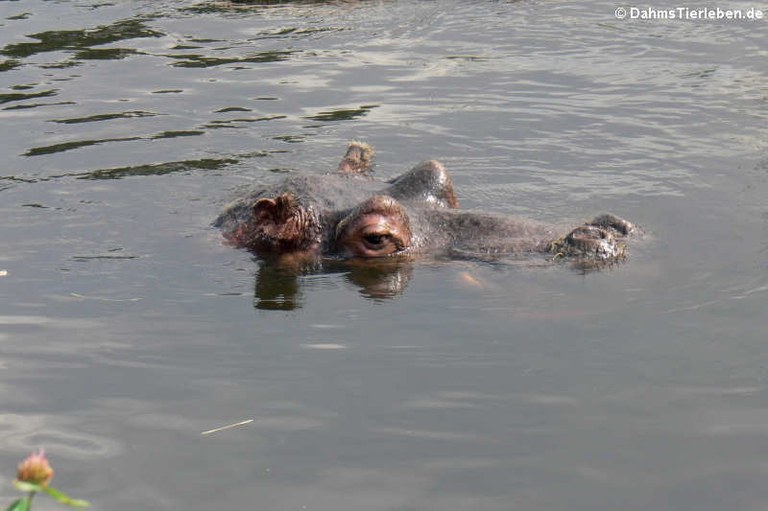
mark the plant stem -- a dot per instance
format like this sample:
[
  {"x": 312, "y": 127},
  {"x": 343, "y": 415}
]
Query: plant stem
[{"x": 29, "y": 500}]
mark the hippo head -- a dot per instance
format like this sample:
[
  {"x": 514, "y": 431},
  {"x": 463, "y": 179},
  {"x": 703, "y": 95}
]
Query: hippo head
[
  {"x": 347, "y": 214},
  {"x": 377, "y": 227}
]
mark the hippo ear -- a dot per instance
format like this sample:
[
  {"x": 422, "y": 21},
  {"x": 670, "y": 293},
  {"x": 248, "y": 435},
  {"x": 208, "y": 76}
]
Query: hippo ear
[
  {"x": 280, "y": 224},
  {"x": 357, "y": 160},
  {"x": 264, "y": 206},
  {"x": 275, "y": 210}
]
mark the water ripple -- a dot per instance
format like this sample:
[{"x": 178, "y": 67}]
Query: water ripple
[
  {"x": 60, "y": 40},
  {"x": 68, "y": 146},
  {"x": 105, "y": 117}
]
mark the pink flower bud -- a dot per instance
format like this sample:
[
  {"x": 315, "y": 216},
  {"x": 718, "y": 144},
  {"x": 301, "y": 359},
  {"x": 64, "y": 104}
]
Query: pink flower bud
[{"x": 35, "y": 469}]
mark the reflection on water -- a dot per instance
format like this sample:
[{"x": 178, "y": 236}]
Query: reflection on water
[
  {"x": 380, "y": 281},
  {"x": 276, "y": 288},
  {"x": 128, "y": 328},
  {"x": 278, "y": 285}
]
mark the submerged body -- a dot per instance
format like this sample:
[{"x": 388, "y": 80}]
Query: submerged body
[{"x": 347, "y": 214}]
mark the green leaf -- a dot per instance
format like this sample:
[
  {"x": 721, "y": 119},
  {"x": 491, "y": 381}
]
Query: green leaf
[
  {"x": 26, "y": 487},
  {"x": 65, "y": 499},
  {"x": 20, "y": 505}
]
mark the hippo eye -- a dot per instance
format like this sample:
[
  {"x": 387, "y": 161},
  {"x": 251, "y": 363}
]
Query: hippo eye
[
  {"x": 373, "y": 233},
  {"x": 375, "y": 239}
]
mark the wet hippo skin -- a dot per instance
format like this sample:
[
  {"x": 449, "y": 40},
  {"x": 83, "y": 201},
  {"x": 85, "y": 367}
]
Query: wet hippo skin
[{"x": 347, "y": 214}]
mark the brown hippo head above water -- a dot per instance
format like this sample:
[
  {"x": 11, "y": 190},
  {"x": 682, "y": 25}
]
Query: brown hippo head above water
[{"x": 348, "y": 215}]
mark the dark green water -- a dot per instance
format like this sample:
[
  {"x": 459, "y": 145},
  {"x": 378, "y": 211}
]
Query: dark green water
[{"x": 127, "y": 328}]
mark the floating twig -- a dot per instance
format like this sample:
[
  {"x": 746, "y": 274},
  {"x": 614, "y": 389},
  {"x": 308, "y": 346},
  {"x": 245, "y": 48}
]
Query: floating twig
[{"x": 229, "y": 426}]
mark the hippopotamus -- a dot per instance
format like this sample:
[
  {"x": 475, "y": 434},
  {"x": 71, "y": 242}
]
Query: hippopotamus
[{"x": 346, "y": 214}]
